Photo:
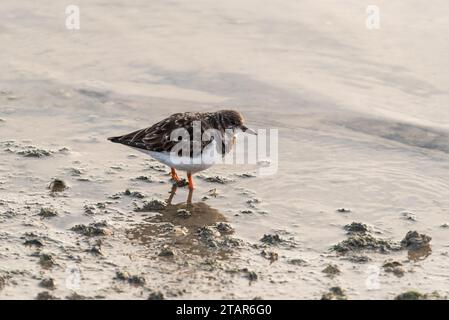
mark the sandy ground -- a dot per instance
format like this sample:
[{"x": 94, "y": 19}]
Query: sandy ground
[{"x": 362, "y": 122}]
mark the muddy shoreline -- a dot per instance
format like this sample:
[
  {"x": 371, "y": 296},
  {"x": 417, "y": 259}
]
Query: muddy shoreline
[{"x": 358, "y": 207}]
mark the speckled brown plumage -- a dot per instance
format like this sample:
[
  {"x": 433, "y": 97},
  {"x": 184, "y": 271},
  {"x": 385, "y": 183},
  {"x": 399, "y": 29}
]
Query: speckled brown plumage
[{"x": 157, "y": 137}]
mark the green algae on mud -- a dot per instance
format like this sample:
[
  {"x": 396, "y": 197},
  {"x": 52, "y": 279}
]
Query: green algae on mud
[
  {"x": 335, "y": 293},
  {"x": 331, "y": 270},
  {"x": 357, "y": 227},
  {"x": 135, "y": 280},
  {"x": 360, "y": 238},
  {"x": 394, "y": 267},
  {"x": 47, "y": 212},
  {"x": 271, "y": 239},
  {"x": 45, "y": 295},
  {"x": 154, "y": 205},
  {"x": 92, "y": 230},
  {"x": 359, "y": 242},
  {"x": 215, "y": 179},
  {"x": 415, "y": 295}
]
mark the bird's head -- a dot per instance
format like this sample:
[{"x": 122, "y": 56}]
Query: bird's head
[{"x": 234, "y": 120}]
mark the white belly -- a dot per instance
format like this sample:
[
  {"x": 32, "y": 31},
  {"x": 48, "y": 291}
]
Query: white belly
[{"x": 208, "y": 158}]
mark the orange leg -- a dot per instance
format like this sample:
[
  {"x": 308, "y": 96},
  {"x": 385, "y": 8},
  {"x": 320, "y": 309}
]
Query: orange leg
[
  {"x": 189, "y": 197},
  {"x": 189, "y": 178},
  {"x": 174, "y": 175},
  {"x": 172, "y": 194}
]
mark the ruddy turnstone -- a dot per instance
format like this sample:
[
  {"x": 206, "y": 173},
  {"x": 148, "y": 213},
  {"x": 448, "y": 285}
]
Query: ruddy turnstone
[{"x": 205, "y": 136}]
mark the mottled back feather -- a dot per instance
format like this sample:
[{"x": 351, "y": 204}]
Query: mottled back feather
[{"x": 158, "y": 136}]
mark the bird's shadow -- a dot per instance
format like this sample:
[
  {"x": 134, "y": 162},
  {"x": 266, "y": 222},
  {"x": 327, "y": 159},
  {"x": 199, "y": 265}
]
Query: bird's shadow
[{"x": 184, "y": 228}]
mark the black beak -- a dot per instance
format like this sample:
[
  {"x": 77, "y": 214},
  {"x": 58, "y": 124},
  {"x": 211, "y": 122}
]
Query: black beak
[{"x": 248, "y": 130}]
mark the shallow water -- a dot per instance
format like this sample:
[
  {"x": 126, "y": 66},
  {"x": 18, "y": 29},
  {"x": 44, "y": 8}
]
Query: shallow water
[{"x": 362, "y": 125}]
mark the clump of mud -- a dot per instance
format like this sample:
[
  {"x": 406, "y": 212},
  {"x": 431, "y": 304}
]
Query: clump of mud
[
  {"x": 245, "y": 272},
  {"x": 394, "y": 267},
  {"x": 133, "y": 194},
  {"x": 335, "y": 293},
  {"x": 96, "y": 249},
  {"x": 183, "y": 213},
  {"x": 131, "y": 279},
  {"x": 48, "y": 283},
  {"x": 357, "y": 227},
  {"x": 156, "y": 296},
  {"x": 331, "y": 270},
  {"x": 415, "y": 241},
  {"x": 358, "y": 242},
  {"x": 270, "y": 255},
  {"x": 95, "y": 209},
  {"x": 188, "y": 229},
  {"x": 211, "y": 193},
  {"x": 3, "y": 281},
  {"x": 57, "y": 185},
  {"x": 415, "y": 295},
  {"x": 157, "y": 167},
  {"x": 47, "y": 260},
  {"x": 355, "y": 258},
  {"x": 154, "y": 205},
  {"x": 224, "y": 227},
  {"x": 89, "y": 210},
  {"x": 252, "y": 203},
  {"x": 76, "y": 296},
  {"x": 144, "y": 178},
  {"x": 74, "y": 172},
  {"x": 93, "y": 229},
  {"x": 215, "y": 179},
  {"x": 250, "y": 275},
  {"x": 33, "y": 152},
  {"x": 246, "y": 175},
  {"x": 208, "y": 232},
  {"x": 271, "y": 239},
  {"x": 45, "y": 295},
  {"x": 360, "y": 239},
  {"x": 166, "y": 252},
  {"x": 26, "y": 151},
  {"x": 409, "y": 216},
  {"x": 212, "y": 237},
  {"x": 32, "y": 240},
  {"x": 298, "y": 262},
  {"x": 47, "y": 212}
]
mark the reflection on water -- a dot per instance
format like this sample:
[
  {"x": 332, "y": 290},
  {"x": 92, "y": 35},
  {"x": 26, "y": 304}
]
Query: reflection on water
[
  {"x": 419, "y": 254},
  {"x": 188, "y": 228}
]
